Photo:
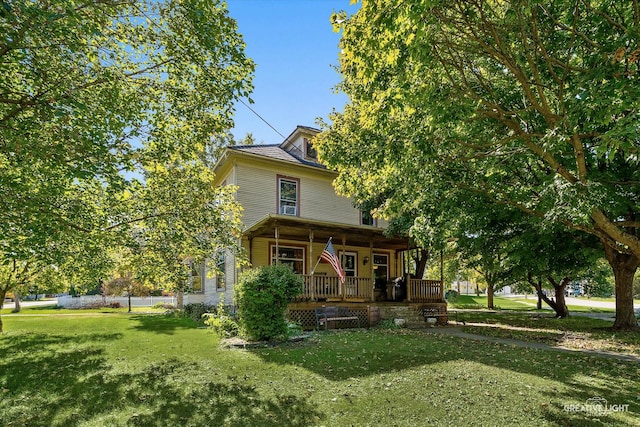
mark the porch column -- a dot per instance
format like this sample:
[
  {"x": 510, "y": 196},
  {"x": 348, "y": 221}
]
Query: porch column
[
  {"x": 371, "y": 270},
  {"x": 407, "y": 275},
  {"x": 441, "y": 276},
  {"x": 312, "y": 284},
  {"x": 250, "y": 238},
  {"x": 343, "y": 287},
  {"x": 277, "y": 236}
]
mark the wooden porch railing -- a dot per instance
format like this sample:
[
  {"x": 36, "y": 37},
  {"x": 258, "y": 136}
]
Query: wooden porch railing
[
  {"x": 361, "y": 288},
  {"x": 422, "y": 290},
  {"x": 329, "y": 287}
]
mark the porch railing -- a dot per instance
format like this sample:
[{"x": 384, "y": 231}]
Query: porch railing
[
  {"x": 329, "y": 287},
  {"x": 318, "y": 287},
  {"x": 422, "y": 290}
]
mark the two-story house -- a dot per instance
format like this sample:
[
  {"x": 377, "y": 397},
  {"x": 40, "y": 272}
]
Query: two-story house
[{"x": 290, "y": 212}]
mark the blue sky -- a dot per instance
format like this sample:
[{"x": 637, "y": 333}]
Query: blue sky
[{"x": 295, "y": 49}]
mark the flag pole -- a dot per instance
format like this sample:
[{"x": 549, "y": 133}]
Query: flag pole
[{"x": 319, "y": 258}]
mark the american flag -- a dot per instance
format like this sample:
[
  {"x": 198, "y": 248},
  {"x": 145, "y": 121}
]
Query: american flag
[{"x": 329, "y": 255}]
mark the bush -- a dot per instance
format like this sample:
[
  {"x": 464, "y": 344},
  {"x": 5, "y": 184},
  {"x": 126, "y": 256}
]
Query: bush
[
  {"x": 222, "y": 322},
  {"x": 196, "y": 311},
  {"x": 164, "y": 305},
  {"x": 262, "y": 296},
  {"x": 451, "y": 295},
  {"x": 388, "y": 324},
  {"x": 101, "y": 304}
]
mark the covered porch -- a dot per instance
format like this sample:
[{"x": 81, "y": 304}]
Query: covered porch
[
  {"x": 375, "y": 264},
  {"x": 362, "y": 289}
]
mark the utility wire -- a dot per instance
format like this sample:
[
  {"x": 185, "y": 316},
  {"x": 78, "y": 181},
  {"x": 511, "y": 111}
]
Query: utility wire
[{"x": 261, "y": 118}]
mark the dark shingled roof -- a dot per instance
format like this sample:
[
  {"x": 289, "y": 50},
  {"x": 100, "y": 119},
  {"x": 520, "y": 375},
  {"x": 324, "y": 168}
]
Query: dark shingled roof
[{"x": 276, "y": 152}]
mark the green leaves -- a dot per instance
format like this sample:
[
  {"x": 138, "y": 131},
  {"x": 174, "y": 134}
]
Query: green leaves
[
  {"x": 262, "y": 295},
  {"x": 92, "y": 96}
]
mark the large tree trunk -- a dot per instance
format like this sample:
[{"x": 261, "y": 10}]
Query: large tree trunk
[
  {"x": 180, "y": 300},
  {"x": 421, "y": 257},
  {"x": 3, "y": 294},
  {"x": 17, "y": 308},
  {"x": 624, "y": 267},
  {"x": 538, "y": 294},
  {"x": 559, "y": 305},
  {"x": 490, "y": 292}
]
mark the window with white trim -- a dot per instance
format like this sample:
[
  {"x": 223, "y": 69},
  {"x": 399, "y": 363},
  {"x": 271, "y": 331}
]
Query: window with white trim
[
  {"x": 288, "y": 195},
  {"x": 366, "y": 218}
]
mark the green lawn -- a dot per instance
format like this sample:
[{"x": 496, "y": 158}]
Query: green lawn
[
  {"x": 574, "y": 332},
  {"x": 472, "y": 301},
  {"x": 151, "y": 370},
  {"x": 521, "y": 304}
]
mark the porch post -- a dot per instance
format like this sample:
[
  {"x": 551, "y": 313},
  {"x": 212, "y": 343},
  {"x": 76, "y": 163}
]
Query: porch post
[
  {"x": 371, "y": 270},
  {"x": 250, "y": 238},
  {"x": 277, "y": 236},
  {"x": 312, "y": 283},
  {"x": 343, "y": 287},
  {"x": 441, "y": 276}
]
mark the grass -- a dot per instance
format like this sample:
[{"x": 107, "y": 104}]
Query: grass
[
  {"x": 480, "y": 302},
  {"x": 52, "y": 309},
  {"x": 575, "y": 332},
  {"x": 519, "y": 304},
  {"x": 95, "y": 369}
]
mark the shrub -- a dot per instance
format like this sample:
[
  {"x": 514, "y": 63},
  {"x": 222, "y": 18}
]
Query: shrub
[
  {"x": 294, "y": 329},
  {"x": 101, "y": 304},
  {"x": 222, "y": 322},
  {"x": 195, "y": 311},
  {"x": 388, "y": 324},
  {"x": 451, "y": 295},
  {"x": 262, "y": 296},
  {"x": 164, "y": 305}
]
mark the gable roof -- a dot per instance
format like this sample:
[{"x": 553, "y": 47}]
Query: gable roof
[{"x": 278, "y": 153}]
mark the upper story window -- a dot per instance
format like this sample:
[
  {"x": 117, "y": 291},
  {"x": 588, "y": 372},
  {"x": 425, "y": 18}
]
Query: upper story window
[
  {"x": 288, "y": 196},
  {"x": 309, "y": 151},
  {"x": 366, "y": 218}
]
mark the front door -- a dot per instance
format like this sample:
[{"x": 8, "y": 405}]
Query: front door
[
  {"x": 381, "y": 274},
  {"x": 349, "y": 262}
]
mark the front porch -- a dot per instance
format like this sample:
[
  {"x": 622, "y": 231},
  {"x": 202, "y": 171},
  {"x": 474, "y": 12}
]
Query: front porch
[{"x": 362, "y": 289}]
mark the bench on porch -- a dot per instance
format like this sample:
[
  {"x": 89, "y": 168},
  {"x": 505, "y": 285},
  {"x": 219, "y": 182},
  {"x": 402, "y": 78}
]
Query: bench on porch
[{"x": 324, "y": 315}]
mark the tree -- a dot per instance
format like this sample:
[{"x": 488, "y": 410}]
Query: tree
[
  {"x": 93, "y": 91},
  {"x": 527, "y": 104},
  {"x": 182, "y": 221}
]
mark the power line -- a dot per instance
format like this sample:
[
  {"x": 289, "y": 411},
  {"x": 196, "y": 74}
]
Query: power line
[{"x": 261, "y": 118}]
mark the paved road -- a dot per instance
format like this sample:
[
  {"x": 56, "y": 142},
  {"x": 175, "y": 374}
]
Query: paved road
[
  {"x": 591, "y": 303},
  {"x": 24, "y": 304}
]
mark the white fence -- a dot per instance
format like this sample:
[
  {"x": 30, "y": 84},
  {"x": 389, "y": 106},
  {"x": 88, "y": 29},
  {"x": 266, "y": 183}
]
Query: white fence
[{"x": 87, "y": 300}]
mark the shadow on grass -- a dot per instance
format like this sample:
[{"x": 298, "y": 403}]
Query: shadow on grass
[
  {"x": 344, "y": 355},
  {"x": 48, "y": 380},
  {"x": 162, "y": 324}
]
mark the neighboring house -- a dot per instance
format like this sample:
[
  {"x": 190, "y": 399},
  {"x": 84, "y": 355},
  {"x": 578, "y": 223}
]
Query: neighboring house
[{"x": 291, "y": 210}]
